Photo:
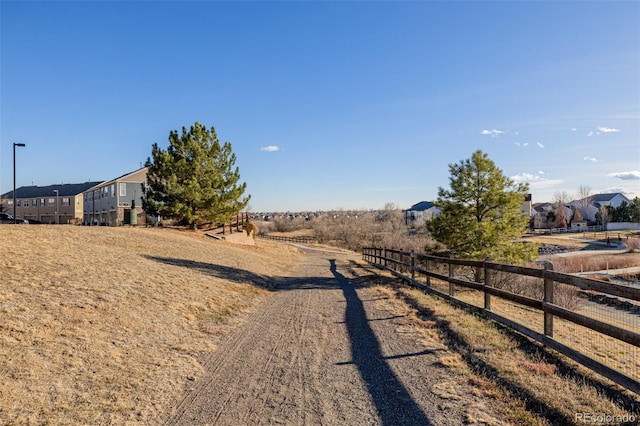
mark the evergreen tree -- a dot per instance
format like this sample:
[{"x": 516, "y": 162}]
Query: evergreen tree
[
  {"x": 577, "y": 216},
  {"x": 481, "y": 215},
  {"x": 635, "y": 210},
  {"x": 194, "y": 180}
]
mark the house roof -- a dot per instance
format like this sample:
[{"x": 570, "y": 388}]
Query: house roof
[
  {"x": 123, "y": 176},
  {"x": 64, "y": 190},
  {"x": 599, "y": 198},
  {"x": 421, "y": 206}
]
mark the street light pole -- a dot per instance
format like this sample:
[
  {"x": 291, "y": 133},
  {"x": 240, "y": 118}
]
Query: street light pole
[
  {"x": 57, "y": 217},
  {"x": 14, "y": 180}
]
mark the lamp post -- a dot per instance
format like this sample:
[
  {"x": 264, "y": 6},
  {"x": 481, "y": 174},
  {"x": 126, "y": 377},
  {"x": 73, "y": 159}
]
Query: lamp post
[
  {"x": 14, "y": 180},
  {"x": 57, "y": 217}
]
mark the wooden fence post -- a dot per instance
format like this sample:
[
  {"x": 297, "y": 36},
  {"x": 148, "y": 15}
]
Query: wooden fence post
[
  {"x": 384, "y": 257},
  {"x": 451, "y": 287},
  {"x": 487, "y": 283},
  {"x": 413, "y": 265},
  {"x": 548, "y": 297},
  {"x": 427, "y": 267}
]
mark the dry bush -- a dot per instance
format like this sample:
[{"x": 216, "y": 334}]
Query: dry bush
[
  {"x": 563, "y": 295},
  {"x": 518, "y": 284},
  {"x": 567, "y": 296},
  {"x": 356, "y": 230}
]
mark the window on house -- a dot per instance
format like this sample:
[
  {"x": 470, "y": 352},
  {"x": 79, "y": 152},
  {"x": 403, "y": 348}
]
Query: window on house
[
  {"x": 113, "y": 190},
  {"x": 25, "y": 203},
  {"x": 51, "y": 202},
  {"x": 9, "y": 202},
  {"x": 123, "y": 189},
  {"x": 66, "y": 202},
  {"x": 18, "y": 203}
]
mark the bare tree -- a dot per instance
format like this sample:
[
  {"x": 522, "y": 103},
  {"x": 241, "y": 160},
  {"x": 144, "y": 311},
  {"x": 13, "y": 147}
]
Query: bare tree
[
  {"x": 585, "y": 198},
  {"x": 604, "y": 216},
  {"x": 561, "y": 197}
]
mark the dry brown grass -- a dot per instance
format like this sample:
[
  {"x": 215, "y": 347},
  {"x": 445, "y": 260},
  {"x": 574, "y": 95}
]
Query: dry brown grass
[
  {"x": 601, "y": 262},
  {"x": 105, "y": 325},
  {"x": 531, "y": 385}
]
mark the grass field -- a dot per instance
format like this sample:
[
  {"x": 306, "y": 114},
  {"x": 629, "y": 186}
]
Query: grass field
[{"x": 105, "y": 325}]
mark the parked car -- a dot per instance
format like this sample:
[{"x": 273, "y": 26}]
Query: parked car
[{"x": 7, "y": 218}]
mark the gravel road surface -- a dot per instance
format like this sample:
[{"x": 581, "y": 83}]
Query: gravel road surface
[{"x": 324, "y": 351}]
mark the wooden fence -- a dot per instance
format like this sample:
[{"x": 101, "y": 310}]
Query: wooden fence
[
  {"x": 399, "y": 261},
  {"x": 234, "y": 224},
  {"x": 300, "y": 239}
]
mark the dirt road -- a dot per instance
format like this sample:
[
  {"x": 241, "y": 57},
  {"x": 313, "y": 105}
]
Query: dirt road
[{"x": 324, "y": 351}]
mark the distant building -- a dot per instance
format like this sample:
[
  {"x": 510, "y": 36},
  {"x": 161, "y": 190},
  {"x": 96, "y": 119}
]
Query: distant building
[
  {"x": 48, "y": 204},
  {"x": 114, "y": 202},
  {"x": 420, "y": 212},
  {"x": 527, "y": 207},
  {"x": 591, "y": 205}
]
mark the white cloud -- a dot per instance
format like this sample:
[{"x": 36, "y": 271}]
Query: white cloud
[
  {"x": 493, "y": 133},
  {"x": 539, "y": 145},
  {"x": 528, "y": 177},
  {"x": 602, "y": 129},
  {"x": 633, "y": 175},
  {"x": 614, "y": 189},
  {"x": 592, "y": 159},
  {"x": 270, "y": 148},
  {"x": 573, "y": 129},
  {"x": 545, "y": 183},
  {"x": 525, "y": 177},
  {"x": 537, "y": 181}
]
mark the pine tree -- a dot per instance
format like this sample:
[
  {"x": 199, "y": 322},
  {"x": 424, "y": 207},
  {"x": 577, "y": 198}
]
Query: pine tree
[
  {"x": 194, "y": 180},
  {"x": 481, "y": 215}
]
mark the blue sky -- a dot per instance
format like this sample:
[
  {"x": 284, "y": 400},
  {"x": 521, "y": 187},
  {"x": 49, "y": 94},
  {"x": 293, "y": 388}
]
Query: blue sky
[{"x": 327, "y": 104}]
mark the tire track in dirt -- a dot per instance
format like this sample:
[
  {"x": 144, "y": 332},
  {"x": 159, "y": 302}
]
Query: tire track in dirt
[{"x": 318, "y": 352}]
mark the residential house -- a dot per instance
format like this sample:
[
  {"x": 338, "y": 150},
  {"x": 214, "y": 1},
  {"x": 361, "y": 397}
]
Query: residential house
[
  {"x": 589, "y": 206},
  {"x": 541, "y": 212},
  {"x": 420, "y": 212},
  {"x": 527, "y": 207},
  {"x": 48, "y": 204},
  {"x": 117, "y": 201}
]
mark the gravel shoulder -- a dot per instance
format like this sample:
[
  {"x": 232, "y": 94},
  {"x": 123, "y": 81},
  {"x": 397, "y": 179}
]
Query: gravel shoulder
[{"x": 324, "y": 351}]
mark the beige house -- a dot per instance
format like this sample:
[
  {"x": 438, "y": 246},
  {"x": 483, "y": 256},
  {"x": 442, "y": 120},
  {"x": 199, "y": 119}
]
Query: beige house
[
  {"x": 116, "y": 202},
  {"x": 60, "y": 204}
]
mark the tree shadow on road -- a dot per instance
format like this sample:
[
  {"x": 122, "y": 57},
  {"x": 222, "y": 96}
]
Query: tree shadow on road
[
  {"x": 219, "y": 271},
  {"x": 392, "y": 400}
]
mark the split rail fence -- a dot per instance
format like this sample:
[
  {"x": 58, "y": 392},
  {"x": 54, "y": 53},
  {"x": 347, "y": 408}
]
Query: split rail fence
[
  {"x": 593, "y": 322},
  {"x": 300, "y": 239}
]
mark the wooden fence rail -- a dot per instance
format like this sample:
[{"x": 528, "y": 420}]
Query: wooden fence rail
[
  {"x": 399, "y": 262},
  {"x": 301, "y": 239}
]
